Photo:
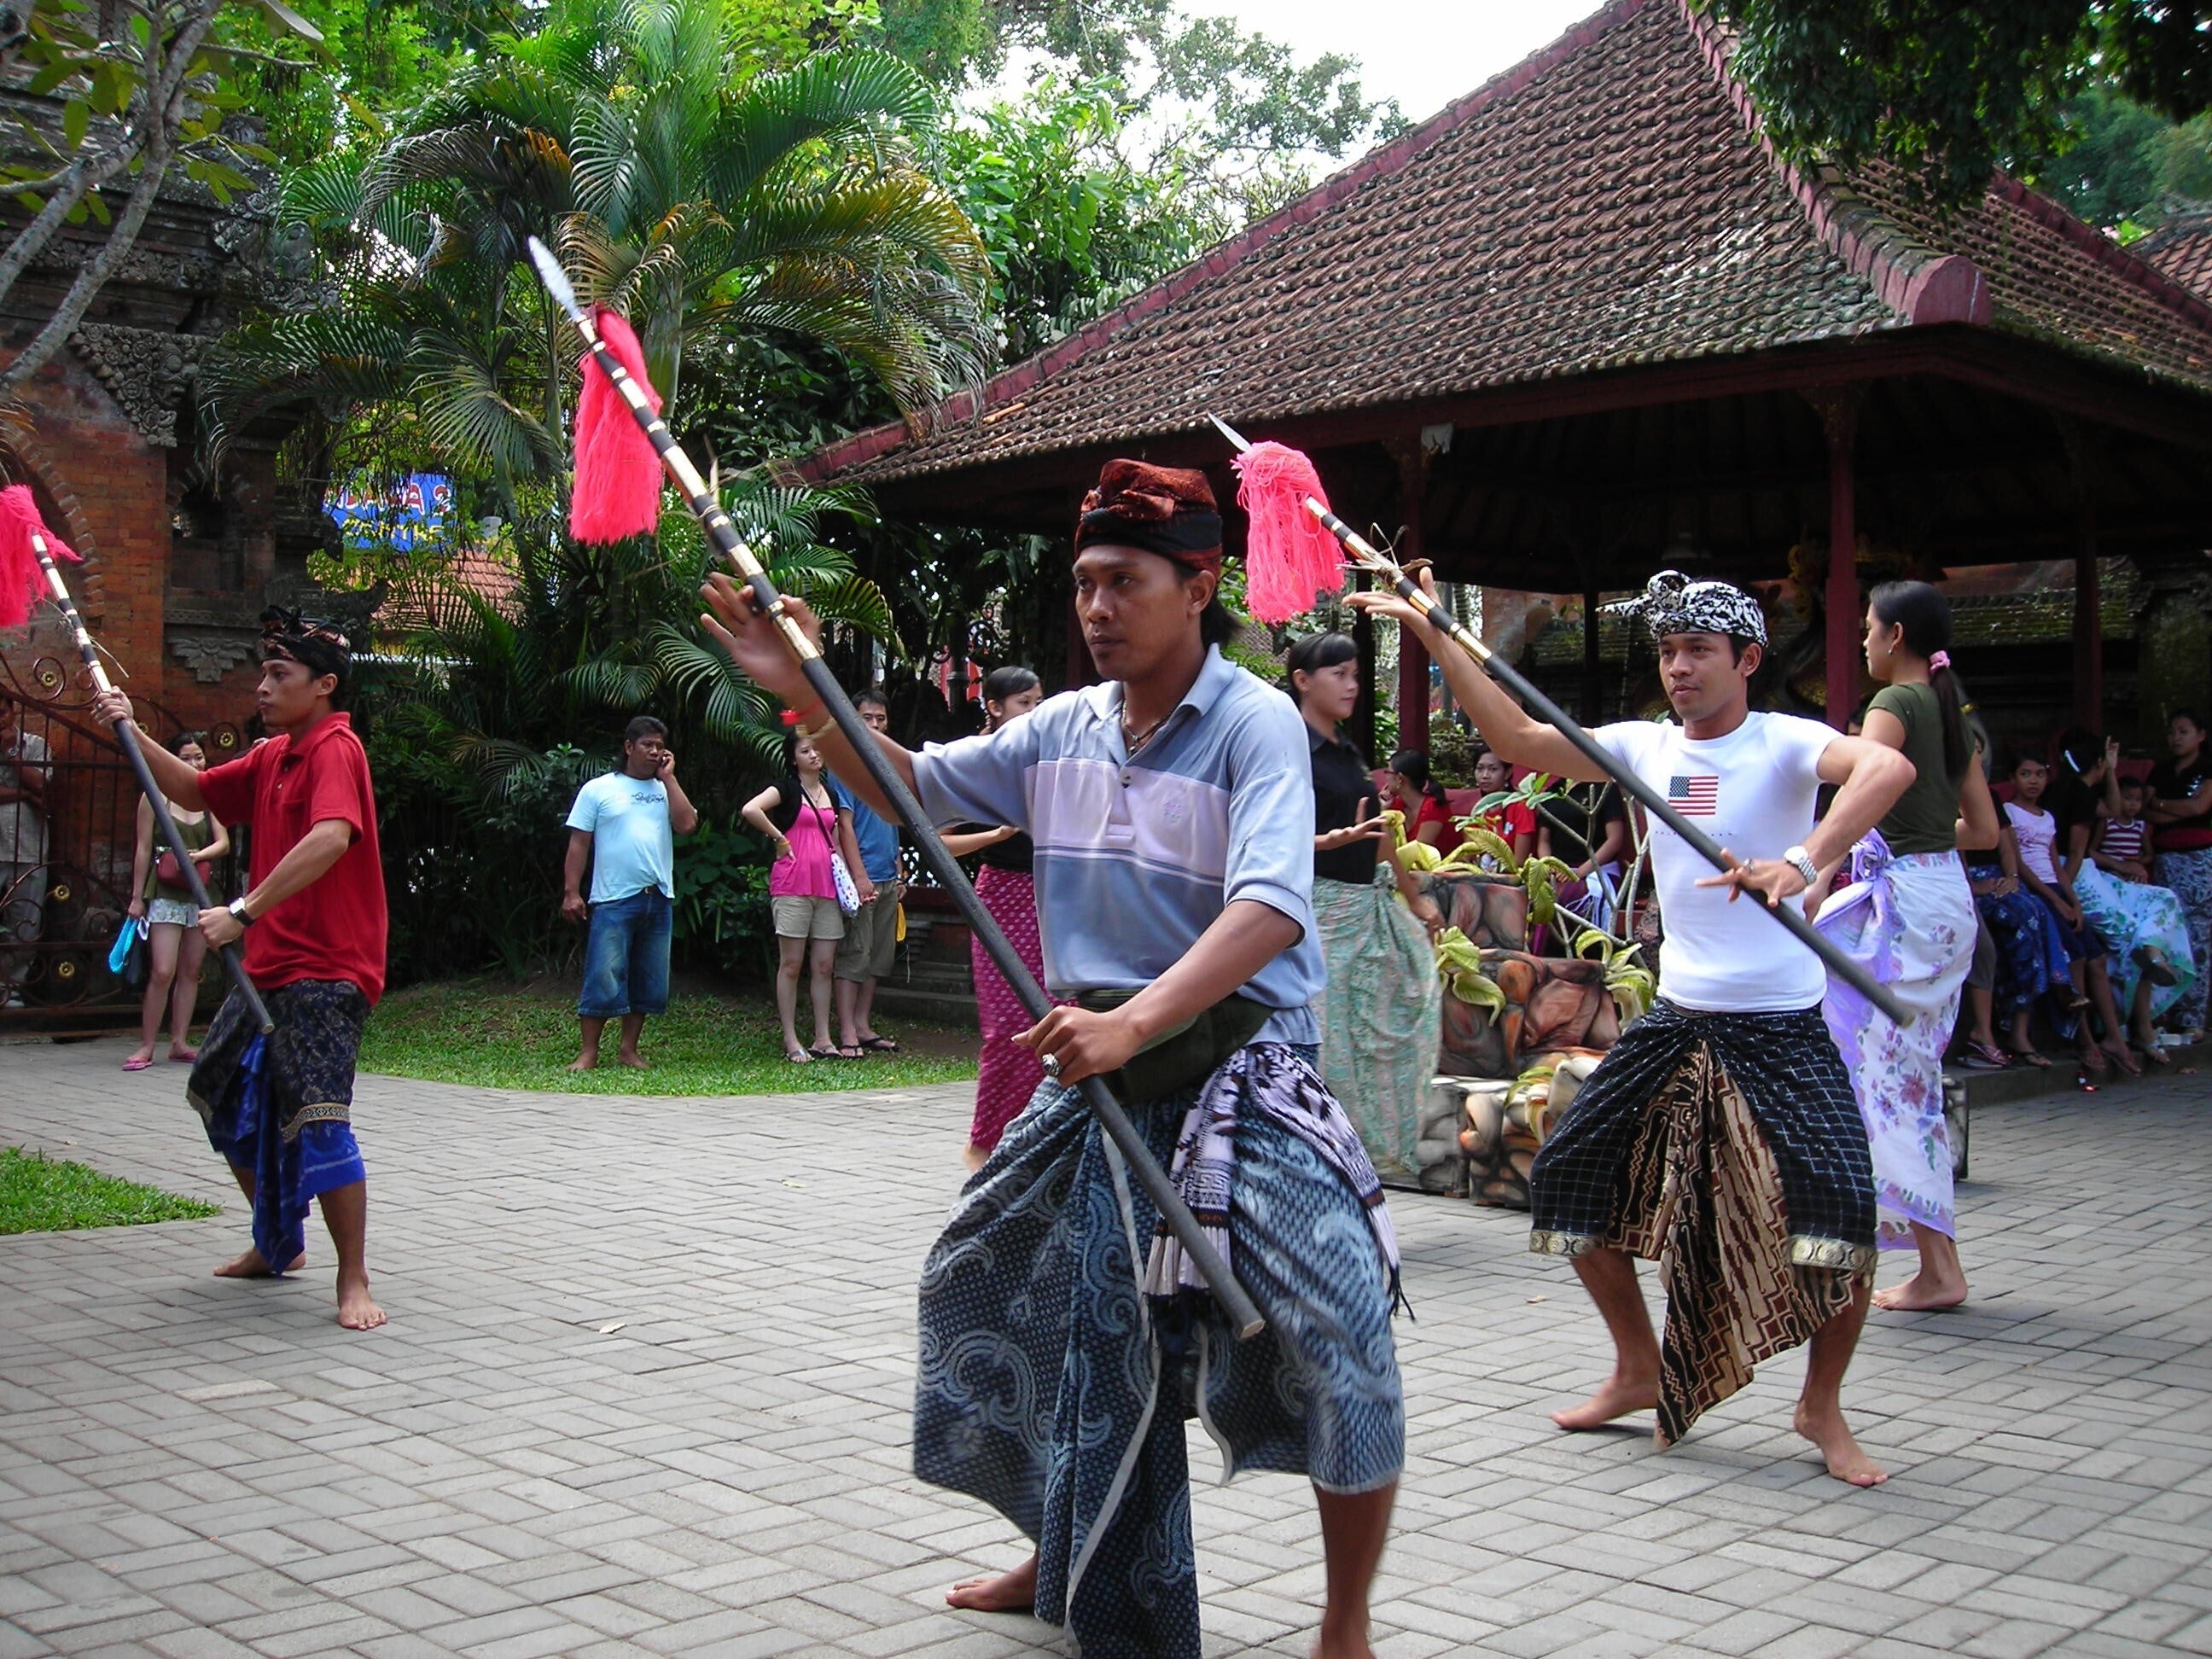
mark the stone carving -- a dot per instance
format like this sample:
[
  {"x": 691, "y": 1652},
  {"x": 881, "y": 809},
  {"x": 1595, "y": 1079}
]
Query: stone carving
[
  {"x": 209, "y": 656},
  {"x": 148, "y": 372}
]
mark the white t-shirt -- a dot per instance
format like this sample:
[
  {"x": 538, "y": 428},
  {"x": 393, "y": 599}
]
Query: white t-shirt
[
  {"x": 632, "y": 846},
  {"x": 2038, "y": 835},
  {"x": 1756, "y": 792}
]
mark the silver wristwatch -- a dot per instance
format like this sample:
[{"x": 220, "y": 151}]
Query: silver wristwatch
[
  {"x": 1802, "y": 861},
  {"x": 237, "y": 907}
]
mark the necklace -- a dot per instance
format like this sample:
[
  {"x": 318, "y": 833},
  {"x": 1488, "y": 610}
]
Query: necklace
[{"x": 1132, "y": 741}]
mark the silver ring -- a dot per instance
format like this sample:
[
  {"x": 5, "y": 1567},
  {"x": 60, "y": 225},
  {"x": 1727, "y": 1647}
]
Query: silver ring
[{"x": 1051, "y": 1064}]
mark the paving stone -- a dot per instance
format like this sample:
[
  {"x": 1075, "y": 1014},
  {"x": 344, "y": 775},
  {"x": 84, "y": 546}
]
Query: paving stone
[{"x": 199, "y": 1470}]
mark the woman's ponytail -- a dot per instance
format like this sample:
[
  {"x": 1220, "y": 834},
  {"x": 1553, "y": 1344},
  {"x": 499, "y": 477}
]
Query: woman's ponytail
[{"x": 1925, "y": 615}]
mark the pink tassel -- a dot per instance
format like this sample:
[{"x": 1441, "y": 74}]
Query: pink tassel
[
  {"x": 1290, "y": 558},
  {"x": 22, "y": 583},
  {"x": 617, "y": 489}
]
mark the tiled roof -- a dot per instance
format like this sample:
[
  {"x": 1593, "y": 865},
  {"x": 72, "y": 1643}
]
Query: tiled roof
[
  {"x": 1605, "y": 204},
  {"x": 2182, "y": 248}
]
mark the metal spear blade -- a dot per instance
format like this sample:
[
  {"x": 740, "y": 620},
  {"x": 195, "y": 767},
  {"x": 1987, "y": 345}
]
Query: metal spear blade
[
  {"x": 555, "y": 280},
  {"x": 1243, "y": 446}
]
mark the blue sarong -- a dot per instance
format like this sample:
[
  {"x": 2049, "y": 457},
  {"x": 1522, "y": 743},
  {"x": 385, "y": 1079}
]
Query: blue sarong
[
  {"x": 281, "y": 1106},
  {"x": 1045, "y": 1390}
]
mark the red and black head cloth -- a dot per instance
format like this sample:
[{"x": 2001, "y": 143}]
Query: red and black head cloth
[{"x": 1167, "y": 510}]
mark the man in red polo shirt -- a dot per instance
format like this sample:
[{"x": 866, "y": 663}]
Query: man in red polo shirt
[{"x": 280, "y": 1109}]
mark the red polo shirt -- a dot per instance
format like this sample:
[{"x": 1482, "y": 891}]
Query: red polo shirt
[{"x": 282, "y": 789}]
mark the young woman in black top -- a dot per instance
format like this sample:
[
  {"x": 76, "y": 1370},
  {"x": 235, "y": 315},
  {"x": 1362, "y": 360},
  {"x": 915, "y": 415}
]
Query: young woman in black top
[{"x": 1380, "y": 1016}]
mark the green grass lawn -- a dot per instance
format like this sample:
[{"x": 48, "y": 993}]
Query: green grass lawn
[
  {"x": 40, "y": 1195},
  {"x": 502, "y": 1036}
]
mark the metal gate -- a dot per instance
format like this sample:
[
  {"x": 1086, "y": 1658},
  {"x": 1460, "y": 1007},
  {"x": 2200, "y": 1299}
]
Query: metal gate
[{"x": 68, "y": 811}]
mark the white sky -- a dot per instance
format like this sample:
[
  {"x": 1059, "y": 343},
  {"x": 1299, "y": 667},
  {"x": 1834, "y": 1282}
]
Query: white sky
[{"x": 1422, "y": 53}]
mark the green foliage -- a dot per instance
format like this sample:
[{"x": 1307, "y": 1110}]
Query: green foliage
[
  {"x": 2123, "y": 165},
  {"x": 493, "y": 1037},
  {"x": 40, "y": 1195},
  {"x": 1947, "y": 90},
  {"x": 722, "y": 896}
]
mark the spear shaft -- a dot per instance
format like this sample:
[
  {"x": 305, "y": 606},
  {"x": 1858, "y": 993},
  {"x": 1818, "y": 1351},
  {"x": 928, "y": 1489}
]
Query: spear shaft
[
  {"x": 1243, "y": 1316},
  {"x": 1789, "y": 915},
  {"x": 127, "y": 735}
]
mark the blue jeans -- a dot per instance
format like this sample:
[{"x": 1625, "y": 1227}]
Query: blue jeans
[{"x": 626, "y": 957}]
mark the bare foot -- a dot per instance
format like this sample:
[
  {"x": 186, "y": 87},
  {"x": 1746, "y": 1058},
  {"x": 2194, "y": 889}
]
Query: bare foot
[
  {"x": 142, "y": 1054},
  {"x": 974, "y": 1157},
  {"x": 1832, "y": 1436},
  {"x": 1922, "y": 1293},
  {"x": 636, "y": 1062},
  {"x": 1343, "y": 1643},
  {"x": 585, "y": 1062},
  {"x": 1004, "y": 1592},
  {"x": 183, "y": 1056},
  {"x": 357, "y": 1309},
  {"x": 1621, "y": 1395},
  {"x": 254, "y": 1264}
]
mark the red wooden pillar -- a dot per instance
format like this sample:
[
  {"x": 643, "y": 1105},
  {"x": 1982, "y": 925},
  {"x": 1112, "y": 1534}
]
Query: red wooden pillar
[
  {"x": 1839, "y": 419},
  {"x": 1412, "y": 655},
  {"x": 2088, "y": 627}
]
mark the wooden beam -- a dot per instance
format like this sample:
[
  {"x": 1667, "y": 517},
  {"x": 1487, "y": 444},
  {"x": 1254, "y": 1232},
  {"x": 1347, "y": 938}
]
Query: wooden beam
[{"x": 1839, "y": 421}]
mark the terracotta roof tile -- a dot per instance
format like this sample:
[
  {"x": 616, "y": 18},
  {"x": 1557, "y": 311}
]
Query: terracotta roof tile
[
  {"x": 2182, "y": 248},
  {"x": 1608, "y": 203}
]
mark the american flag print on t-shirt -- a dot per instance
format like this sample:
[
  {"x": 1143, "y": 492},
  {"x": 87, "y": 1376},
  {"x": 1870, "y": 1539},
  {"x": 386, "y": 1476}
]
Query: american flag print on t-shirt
[{"x": 1697, "y": 797}]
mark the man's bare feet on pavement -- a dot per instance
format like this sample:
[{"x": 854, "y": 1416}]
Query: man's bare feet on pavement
[
  {"x": 584, "y": 1063},
  {"x": 1828, "y": 1432},
  {"x": 636, "y": 1062},
  {"x": 1924, "y": 1292},
  {"x": 1342, "y": 1644},
  {"x": 1003, "y": 1592},
  {"x": 357, "y": 1309},
  {"x": 1621, "y": 1396},
  {"x": 254, "y": 1264}
]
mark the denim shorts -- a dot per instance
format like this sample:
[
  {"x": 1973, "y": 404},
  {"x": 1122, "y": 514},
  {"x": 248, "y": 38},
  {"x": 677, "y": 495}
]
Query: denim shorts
[{"x": 626, "y": 957}]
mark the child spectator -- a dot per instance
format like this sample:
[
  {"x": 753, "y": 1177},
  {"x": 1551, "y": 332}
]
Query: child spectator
[{"x": 2035, "y": 833}]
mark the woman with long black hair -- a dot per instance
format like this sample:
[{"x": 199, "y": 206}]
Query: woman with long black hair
[
  {"x": 1908, "y": 916},
  {"x": 1382, "y": 1015},
  {"x": 1008, "y": 1074}
]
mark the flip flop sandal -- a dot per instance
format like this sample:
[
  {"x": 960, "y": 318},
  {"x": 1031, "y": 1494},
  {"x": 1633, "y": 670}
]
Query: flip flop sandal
[
  {"x": 879, "y": 1045},
  {"x": 2030, "y": 1057},
  {"x": 1981, "y": 1057},
  {"x": 823, "y": 1051},
  {"x": 797, "y": 1057},
  {"x": 186, "y": 1059},
  {"x": 136, "y": 1063}
]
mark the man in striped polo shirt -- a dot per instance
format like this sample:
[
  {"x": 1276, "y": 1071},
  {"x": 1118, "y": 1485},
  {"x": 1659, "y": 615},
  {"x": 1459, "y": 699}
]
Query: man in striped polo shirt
[{"x": 1063, "y": 1340}]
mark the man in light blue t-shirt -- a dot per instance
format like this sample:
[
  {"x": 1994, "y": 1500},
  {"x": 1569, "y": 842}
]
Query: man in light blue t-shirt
[
  {"x": 865, "y": 954},
  {"x": 624, "y": 824}
]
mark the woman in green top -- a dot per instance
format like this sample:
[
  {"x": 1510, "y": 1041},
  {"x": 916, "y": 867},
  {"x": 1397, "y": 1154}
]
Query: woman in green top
[
  {"x": 1908, "y": 916},
  {"x": 175, "y": 945}
]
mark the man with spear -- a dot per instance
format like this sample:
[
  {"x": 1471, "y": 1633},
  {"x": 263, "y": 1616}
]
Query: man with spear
[
  {"x": 1720, "y": 1134},
  {"x": 279, "y": 1107},
  {"x": 1172, "y": 812}
]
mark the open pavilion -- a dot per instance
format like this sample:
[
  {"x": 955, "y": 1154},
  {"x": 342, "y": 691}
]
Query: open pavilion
[{"x": 1585, "y": 316}]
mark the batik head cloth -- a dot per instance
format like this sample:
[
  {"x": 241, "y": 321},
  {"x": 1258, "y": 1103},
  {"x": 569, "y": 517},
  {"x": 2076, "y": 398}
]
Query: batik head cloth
[
  {"x": 1673, "y": 604},
  {"x": 320, "y": 648},
  {"x": 1167, "y": 510}
]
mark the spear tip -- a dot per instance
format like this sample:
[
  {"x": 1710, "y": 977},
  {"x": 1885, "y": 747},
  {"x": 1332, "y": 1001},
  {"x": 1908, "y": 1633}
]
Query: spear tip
[
  {"x": 555, "y": 280},
  {"x": 1231, "y": 433}
]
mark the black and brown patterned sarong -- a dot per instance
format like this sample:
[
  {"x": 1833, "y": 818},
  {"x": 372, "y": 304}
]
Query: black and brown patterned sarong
[{"x": 1730, "y": 1149}]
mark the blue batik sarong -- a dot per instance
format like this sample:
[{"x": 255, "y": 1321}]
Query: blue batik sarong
[
  {"x": 1044, "y": 1388},
  {"x": 280, "y": 1106}
]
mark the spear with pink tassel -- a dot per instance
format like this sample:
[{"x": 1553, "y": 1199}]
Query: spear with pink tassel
[
  {"x": 27, "y": 572},
  {"x": 1296, "y": 535},
  {"x": 621, "y": 444}
]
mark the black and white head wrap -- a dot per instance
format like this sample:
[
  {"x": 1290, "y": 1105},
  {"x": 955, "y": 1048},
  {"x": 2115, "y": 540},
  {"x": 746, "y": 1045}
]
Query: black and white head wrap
[{"x": 1673, "y": 604}]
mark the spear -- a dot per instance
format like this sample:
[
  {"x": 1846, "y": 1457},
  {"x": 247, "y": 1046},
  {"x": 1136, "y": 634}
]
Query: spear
[
  {"x": 1792, "y": 918},
  {"x": 1243, "y": 1316},
  {"x": 21, "y": 528}
]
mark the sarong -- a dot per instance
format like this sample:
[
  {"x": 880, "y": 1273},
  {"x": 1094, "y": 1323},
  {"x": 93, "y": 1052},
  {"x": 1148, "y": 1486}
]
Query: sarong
[
  {"x": 1380, "y": 1018},
  {"x": 1910, "y": 922},
  {"x": 2189, "y": 876},
  {"x": 2032, "y": 955},
  {"x": 1045, "y": 1391},
  {"x": 1007, "y": 1074},
  {"x": 2130, "y": 916},
  {"x": 280, "y": 1107},
  {"x": 1728, "y": 1148}
]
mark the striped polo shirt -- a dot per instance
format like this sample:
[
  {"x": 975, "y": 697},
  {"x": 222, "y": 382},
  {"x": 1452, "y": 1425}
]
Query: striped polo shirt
[{"x": 1135, "y": 858}]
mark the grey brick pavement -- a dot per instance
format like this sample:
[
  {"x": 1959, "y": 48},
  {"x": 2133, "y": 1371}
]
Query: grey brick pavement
[{"x": 645, "y": 1392}]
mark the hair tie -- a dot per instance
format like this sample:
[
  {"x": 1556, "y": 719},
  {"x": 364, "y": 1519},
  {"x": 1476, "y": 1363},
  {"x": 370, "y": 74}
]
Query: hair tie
[{"x": 1940, "y": 659}]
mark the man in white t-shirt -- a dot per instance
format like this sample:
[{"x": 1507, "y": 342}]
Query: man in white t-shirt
[
  {"x": 1720, "y": 1136},
  {"x": 624, "y": 826}
]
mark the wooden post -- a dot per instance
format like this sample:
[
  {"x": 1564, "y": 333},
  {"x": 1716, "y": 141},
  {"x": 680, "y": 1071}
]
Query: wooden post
[
  {"x": 1362, "y": 723},
  {"x": 1839, "y": 420},
  {"x": 2088, "y": 626},
  {"x": 1412, "y": 655},
  {"x": 1593, "y": 671}
]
